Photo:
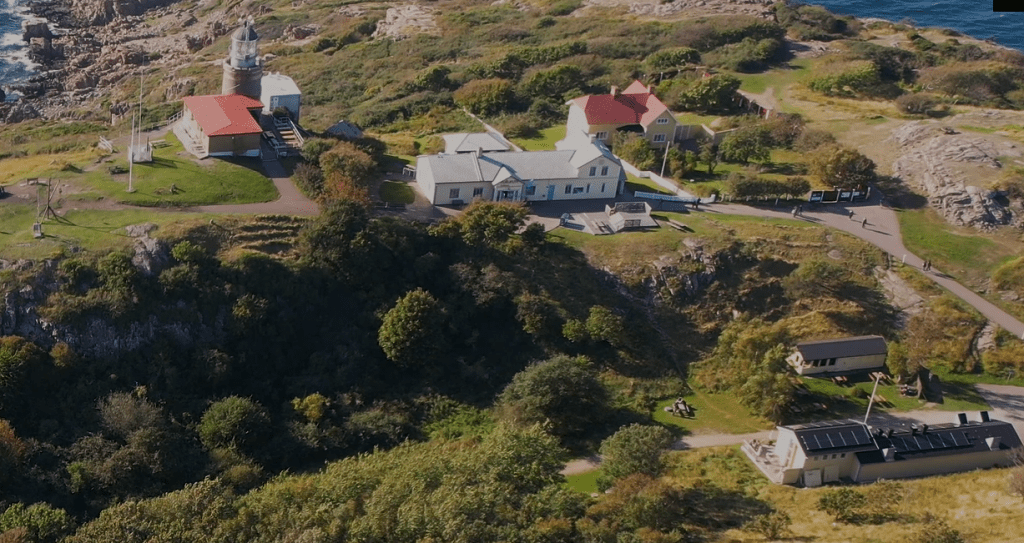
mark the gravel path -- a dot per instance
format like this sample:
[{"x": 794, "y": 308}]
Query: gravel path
[
  {"x": 883, "y": 231},
  {"x": 290, "y": 201}
]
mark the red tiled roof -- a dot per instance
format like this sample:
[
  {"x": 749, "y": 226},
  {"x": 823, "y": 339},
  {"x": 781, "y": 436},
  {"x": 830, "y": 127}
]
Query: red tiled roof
[
  {"x": 224, "y": 115},
  {"x": 635, "y": 105}
]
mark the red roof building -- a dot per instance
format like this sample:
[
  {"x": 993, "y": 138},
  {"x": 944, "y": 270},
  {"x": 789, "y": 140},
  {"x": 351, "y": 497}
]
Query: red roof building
[
  {"x": 222, "y": 125},
  {"x": 635, "y": 108}
]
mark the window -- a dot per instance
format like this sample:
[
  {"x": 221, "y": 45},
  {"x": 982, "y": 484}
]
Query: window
[
  {"x": 842, "y": 455},
  {"x": 833, "y": 457},
  {"x": 588, "y": 188},
  {"x": 577, "y": 190},
  {"x": 602, "y": 188},
  {"x": 604, "y": 171},
  {"x": 568, "y": 189},
  {"x": 662, "y": 120},
  {"x": 453, "y": 193},
  {"x": 601, "y": 135},
  {"x": 831, "y": 361},
  {"x": 593, "y": 171},
  {"x": 659, "y": 138},
  {"x": 479, "y": 191},
  {"x": 531, "y": 190}
]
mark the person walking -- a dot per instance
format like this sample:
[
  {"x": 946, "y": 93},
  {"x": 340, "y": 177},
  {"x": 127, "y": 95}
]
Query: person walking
[
  {"x": 864, "y": 223},
  {"x": 851, "y": 214}
]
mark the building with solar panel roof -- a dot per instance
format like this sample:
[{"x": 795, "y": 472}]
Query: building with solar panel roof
[{"x": 847, "y": 450}]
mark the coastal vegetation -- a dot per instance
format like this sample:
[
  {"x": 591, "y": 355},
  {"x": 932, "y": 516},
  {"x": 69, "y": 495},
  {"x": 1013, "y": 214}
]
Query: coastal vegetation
[{"x": 368, "y": 378}]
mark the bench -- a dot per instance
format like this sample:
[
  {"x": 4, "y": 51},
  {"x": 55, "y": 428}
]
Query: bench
[{"x": 679, "y": 226}]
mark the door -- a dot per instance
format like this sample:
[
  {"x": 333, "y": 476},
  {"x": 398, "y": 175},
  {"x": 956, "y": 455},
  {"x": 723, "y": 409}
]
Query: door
[
  {"x": 551, "y": 192},
  {"x": 812, "y": 478},
  {"x": 831, "y": 474}
]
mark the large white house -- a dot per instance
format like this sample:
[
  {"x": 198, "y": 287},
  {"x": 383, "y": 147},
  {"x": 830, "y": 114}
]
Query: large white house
[
  {"x": 839, "y": 355},
  {"x": 826, "y": 452},
  {"x": 580, "y": 168}
]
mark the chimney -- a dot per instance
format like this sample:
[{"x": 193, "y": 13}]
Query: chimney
[
  {"x": 983, "y": 416},
  {"x": 993, "y": 442},
  {"x": 615, "y": 90},
  {"x": 889, "y": 453},
  {"x": 961, "y": 419},
  {"x": 924, "y": 428},
  {"x": 650, "y": 88},
  {"x": 479, "y": 152}
]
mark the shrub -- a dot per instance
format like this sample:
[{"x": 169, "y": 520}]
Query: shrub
[
  {"x": 710, "y": 94},
  {"x": 564, "y": 7},
  {"x": 771, "y": 526},
  {"x": 936, "y": 530},
  {"x": 748, "y": 55},
  {"x": 915, "y": 104},
  {"x": 842, "y": 503},
  {"x": 236, "y": 423},
  {"x": 485, "y": 96},
  {"x": 520, "y": 125},
  {"x": 636, "y": 448},
  {"x": 635, "y": 149},
  {"x": 672, "y": 58},
  {"x": 848, "y": 79},
  {"x": 812, "y": 138}
]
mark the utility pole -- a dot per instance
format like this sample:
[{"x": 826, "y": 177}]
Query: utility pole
[
  {"x": 664, "y": 158},
  {"x": 872, "y": 399},
  {"x": 131, "y": 158}
]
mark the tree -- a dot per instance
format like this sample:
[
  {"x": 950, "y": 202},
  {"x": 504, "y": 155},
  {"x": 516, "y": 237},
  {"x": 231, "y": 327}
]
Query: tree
[
  {"x": 636, "y": 448},
  {"x": 234, "y": 422},
  {"x": 485, "y": 96},
  {"x": 603, "y": 325},
  {"x": 12, "y": 453},
  {"x": 842, "y": 167},
  {"x": 413, "y": 331},
  {"x": 897, "y": 359},
  {"x": 769, "y": 390},
  {"x": 123, "y": 414},
  {"x": 337, "y": 237},
  {"x": 709, "y": 155},
  {"x": 19, "y": 358},
  {"x": 563, "y": 392},
  {"x": 635, "y": 149},
  {"x": 313, "y": 148},
  {"x": 748, "y": 143},
  {"x": 485, "y": 224},
  {"x": 42, "y": 523},
  {"x": 348, "y": 161},
  {"x": 710, "y": 94}
]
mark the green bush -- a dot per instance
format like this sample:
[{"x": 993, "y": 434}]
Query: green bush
[
  {"x": 564, "y": 7},
  {"x": 848, "y": 79},
  {"x": 915, "y": 104},
  {"x": 672, "y": 58},
  {"x": 842, "y": 503},
  {"x": 485, "y": 96},
  {"x": 235, "y": 423}
]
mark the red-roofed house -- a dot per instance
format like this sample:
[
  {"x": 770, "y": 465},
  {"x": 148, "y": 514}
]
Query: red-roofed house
[
  {"x": 222, "y": 125},
  {"x": 635, "y": 109}
]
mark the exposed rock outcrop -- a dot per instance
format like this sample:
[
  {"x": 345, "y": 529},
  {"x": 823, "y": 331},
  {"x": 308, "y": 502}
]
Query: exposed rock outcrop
[
  {"x": 405, "y": 21},
  {"x": 941, "y": 161}
]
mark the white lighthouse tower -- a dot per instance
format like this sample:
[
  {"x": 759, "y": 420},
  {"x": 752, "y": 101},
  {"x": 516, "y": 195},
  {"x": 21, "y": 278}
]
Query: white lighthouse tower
[{"x": 243, "y": 68}]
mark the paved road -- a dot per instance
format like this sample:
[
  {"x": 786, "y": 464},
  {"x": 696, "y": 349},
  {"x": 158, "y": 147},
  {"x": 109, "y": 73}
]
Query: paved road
[{"x": 883, "y": 231}]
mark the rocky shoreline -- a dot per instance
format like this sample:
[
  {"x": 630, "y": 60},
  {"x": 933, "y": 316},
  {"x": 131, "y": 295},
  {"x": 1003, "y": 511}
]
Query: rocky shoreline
[{"x": 86, "y": 47}]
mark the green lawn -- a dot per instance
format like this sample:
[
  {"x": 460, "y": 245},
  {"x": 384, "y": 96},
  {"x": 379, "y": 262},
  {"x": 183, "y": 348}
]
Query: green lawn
[
  {"x": 544, "y": 142},
  {"x": 643, "y": 184},
  {"x": 210, "y": 181},
  {"x": 713, "y": 413},
  {"x": 778, "y": 78},
  {"x": 88, "y": 229},
  {"x": 396, "y": 192},
  {"x": 584, "y": 482},
  {"x": 957, "y": 396}
]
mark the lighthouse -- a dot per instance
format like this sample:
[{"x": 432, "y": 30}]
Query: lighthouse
[{"x": 243, "y": 68}]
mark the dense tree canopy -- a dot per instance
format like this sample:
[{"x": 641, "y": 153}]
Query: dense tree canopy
[{"x": 563, "y": 393}]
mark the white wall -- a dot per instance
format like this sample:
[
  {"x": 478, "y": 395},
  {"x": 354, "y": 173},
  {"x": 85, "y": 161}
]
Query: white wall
[
  {"x": 852, "y": 363},
  {"x": 934, "y": 465}
]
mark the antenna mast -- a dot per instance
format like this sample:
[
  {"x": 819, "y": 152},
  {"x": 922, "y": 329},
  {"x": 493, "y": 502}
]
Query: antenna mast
[{"x": 131, "y": 147}]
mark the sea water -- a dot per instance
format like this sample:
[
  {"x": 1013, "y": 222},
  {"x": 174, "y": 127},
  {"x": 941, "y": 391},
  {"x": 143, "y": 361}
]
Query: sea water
[
  {"x": 974, "y": 18},
  {"x": 14, "y": 62}
]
